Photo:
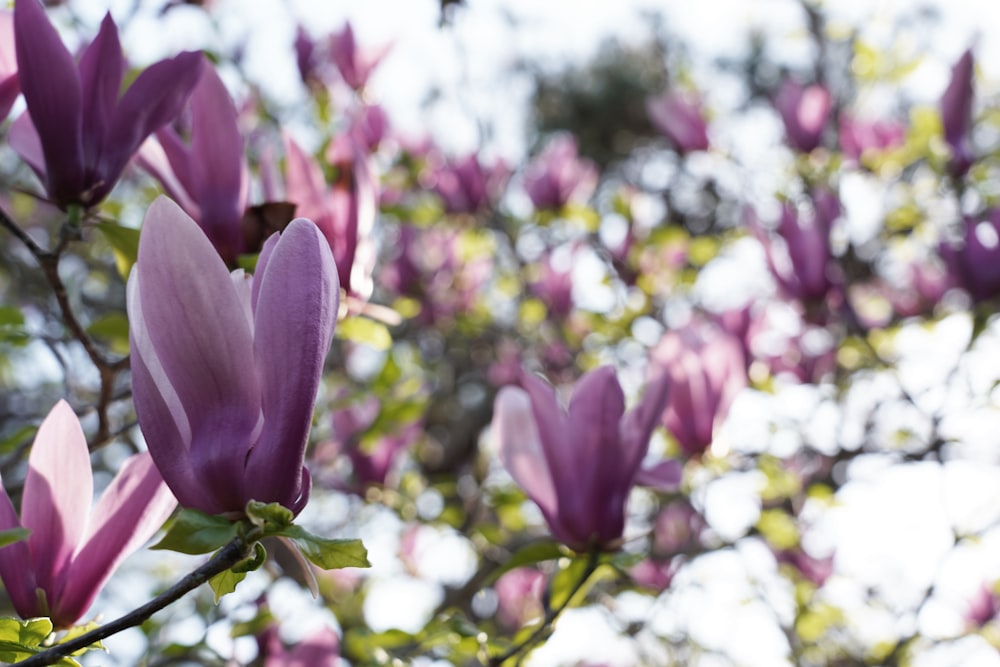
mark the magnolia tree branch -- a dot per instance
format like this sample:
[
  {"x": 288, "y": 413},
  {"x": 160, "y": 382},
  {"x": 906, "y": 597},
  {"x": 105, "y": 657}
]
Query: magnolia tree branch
[
  {"x": 108, "y": 368},
  {"x": 551, "y": 614},
  {"x": 225, "y": 558}
]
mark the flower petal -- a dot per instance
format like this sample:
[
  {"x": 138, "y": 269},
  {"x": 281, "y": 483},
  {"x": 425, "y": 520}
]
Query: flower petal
[
  {"x": 197, "y": 330},
  {"x": 638, "y": 424},
  {"x": 51, "y": 87},
  {"x": 58, "y": 492},
  {"x": 218, "y": 164},
  {"x": 130, "y": 510},
  {"x": 101, "y": 69},
  {"x": 295, "y": 313},
  {"x": 25, "y": 141},
  {"x": 516, "y": 431},
  {"x": 154, "y": 99},
  {"x": 16, "y": 566}
]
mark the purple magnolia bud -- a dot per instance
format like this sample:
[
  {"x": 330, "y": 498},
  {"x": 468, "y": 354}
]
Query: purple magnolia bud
[
  {"x": 371, "y": 462},
  {"x": 519, "y": 596},
  {"x": 73, "y": 550},
  {"x": 224, "y": 401},
  {"x": 858, "y": 137},
  {"x": 974, "y": 261},
  {"x": 318, "y": 649},
  {"x": 305, "y": 56},
  {"x": 815, "y": 570},
  {"x": 679, "y": 118},
  {"x": 655, "y": 574},
  {"x": 707, "y": 369},
  {"x": 355, "y": 63},
  {"x": 983, "y": 607},
  {"x": 10, "y": 88},
  {"x": 78, "y": 134},
  {"x": 559, "y": 175},
  {"x": 956, "y": 112},
  {"x": 578, "y": 465},
  {"x": 554, "y": 287},
  {"x": 466, "y": 186},
  {"x": 799, "y": 255},
  {"x": 344, "y": 212},
  {"x": 207, "y": 176},
  {"x": 804, "y": 110}
]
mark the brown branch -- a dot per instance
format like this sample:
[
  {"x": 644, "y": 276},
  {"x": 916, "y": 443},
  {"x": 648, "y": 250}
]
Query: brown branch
[{"x": 225, "y": 558}]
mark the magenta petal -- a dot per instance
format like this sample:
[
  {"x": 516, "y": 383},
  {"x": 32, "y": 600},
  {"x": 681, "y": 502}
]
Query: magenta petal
[
  {"x": 58, "y": 491},
  {"x": 154, "y": 99},
  {"x": 638, "y": 424},
  {"x": 9, "y": 86},
  {"x": 16, "y": 566},
  {"x": 168, "y": 169},
  {"x": 197, "y": 327},
  {"x": 295, "y": 314},
  {"x": 101, "y": 69},
  {"x": 51, "y": 87},
  {"x": 218, "y": 165},
  {"x": 550, "y": 419},
  {"x": 520, "y": 446},
  {"x": 24, "y": 140},
  {"x": 129, "y": 511}
]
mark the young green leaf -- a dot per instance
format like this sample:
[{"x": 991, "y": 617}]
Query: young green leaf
[
  {"x": 325, "y": 553},
  {"x": 13, "y": 535},
  {"x": 225, "y": 583},
  {"x": 194, "y": 532}
]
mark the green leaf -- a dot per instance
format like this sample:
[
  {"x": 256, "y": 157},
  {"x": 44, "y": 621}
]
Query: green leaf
[
  {"x": 13, "y": 535},
  {"x": 363, "y": 330},
  {"x": 31, "y": 632},
  {"x": 194, "y": 532},
  {"x": 12, "y": 325},
  {"x": 125, "y": 243},
  {"x": 272, "y": 517},
  {"x": 78, "y": 630},
  {"x": 113, "y": 330},
  {"x": 20, "y": 640},
  {"x": 225, "y": 583},
  {"x": 325, "y": 553},
  {"x": 529, "y": 554},
  {"x": 252, "y": 563}
]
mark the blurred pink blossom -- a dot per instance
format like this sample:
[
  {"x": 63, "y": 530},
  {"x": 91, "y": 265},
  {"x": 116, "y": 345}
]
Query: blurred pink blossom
[
  {"x": 679, "y": 117},
  {"x": 804, "y": 110},
  {"x": 558, "y": 175}
]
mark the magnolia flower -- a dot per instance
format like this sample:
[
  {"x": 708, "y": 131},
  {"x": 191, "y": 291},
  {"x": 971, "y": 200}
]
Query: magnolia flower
[
  {"x": 77, "y": 134},
  {"x": 466, "y": 186},
  {"x": 355, "y": 63},
  {"x": 559, "y": 175},
  {"x": 679, "y": 118},
  {"x": 577, "y": 465},
  {"x": 859, "y": 137},
  {"x": 707, "y": 370},
  {"x": 225, "y": 369},
  {"x": 208, "y": 176},
  {"x": 956, "y": 112},
  {"x": 973, "y": 263},
  {"x": 10, "y": 88},
  {"x": 345, "y": 212},
  {"x": 804, "y": 110},
  {"x": 72, "y": 551},
  {"x": 319, "y": 649},
  {"x": 799, "y": 254}
]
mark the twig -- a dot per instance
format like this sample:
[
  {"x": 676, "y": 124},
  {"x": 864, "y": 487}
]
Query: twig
[
  {"x": 550, "y": 616},
  {"x": 224, "y": 559}
]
